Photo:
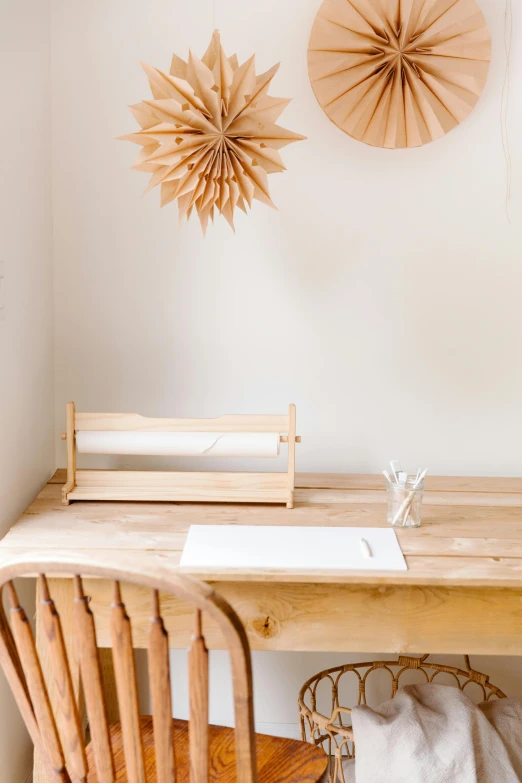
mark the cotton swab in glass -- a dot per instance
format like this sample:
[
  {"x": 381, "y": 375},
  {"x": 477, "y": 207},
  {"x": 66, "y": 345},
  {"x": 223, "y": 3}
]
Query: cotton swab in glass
[
  {"x": 418, "y": 480},
  {"x": 396, "y": 467},
  {"x": 405, "y": 506}
]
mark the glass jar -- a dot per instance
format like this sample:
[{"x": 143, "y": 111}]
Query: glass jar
[{"x": 405, "y": 503}]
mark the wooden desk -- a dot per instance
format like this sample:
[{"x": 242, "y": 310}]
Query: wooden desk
[
  {"x": 464, "y": 579},
  {"x": 461, "y": 594}
]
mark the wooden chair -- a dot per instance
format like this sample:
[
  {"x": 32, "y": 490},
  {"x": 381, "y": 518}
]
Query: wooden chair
[{"x": 138, "y": 749}]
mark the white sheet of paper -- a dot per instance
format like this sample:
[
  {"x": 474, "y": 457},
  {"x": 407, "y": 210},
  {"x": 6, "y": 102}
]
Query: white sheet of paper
[{"x": 263, "y": 546}]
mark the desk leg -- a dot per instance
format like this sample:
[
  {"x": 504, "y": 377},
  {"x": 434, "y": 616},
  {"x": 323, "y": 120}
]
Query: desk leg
[{"x": 62, "y": 594}]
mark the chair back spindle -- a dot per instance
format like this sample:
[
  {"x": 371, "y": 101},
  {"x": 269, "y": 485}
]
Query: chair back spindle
[
  {"x": 66, "y": 710},
  {"x": 56, "y": 726},
  {"x": 11, "y": 665},
  {"x": 30, "y": 663},
  {"x": 160, "y": 691},
  {"x": 90, "y": 671},
  {"x": 127, "y": 688},
  {"x": 198, "y": 704}
]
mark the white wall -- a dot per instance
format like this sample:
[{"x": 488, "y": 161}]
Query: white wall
[
  {"x": 26, "y": 328},
  {"x": 383, "y": 297}
]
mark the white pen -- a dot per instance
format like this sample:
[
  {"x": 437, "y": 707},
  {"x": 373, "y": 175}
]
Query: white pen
[{"x": 365, "y": 548}]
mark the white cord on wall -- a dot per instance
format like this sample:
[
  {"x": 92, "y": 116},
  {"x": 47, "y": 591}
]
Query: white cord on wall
[{"x": 504, "y": 104}]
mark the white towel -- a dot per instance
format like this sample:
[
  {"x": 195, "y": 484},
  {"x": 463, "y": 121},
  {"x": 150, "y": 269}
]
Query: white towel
[{"x": 435, "y": 734}]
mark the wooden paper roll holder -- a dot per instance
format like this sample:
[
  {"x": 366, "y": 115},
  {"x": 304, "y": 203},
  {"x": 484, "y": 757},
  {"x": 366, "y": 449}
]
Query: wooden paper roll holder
[{"x": 198, "y": 487}]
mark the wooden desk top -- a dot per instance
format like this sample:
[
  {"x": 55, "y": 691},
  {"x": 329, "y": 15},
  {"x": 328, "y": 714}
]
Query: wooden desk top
[{"x": 471, "y": 533}]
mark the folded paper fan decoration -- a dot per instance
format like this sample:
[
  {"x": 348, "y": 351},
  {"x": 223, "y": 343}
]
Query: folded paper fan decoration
[
  {"x": 209, "y": 136},
  {"x": 398, "y": 73}
]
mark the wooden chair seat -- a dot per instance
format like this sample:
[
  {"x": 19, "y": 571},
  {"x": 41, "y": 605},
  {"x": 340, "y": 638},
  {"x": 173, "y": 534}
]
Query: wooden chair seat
[{"x": 279, "y": 760}]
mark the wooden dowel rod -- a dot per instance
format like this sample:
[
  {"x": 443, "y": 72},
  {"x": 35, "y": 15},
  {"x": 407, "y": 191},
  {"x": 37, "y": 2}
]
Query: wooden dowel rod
[{"x": 282, "y": 439}]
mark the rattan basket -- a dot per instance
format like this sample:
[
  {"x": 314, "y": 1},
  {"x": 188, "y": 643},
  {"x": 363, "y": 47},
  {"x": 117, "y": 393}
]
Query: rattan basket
[{"x": 326, "y": 722}]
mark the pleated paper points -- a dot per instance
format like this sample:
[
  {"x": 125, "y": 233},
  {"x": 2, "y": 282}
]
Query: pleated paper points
[{"x": 209, "y": 136}]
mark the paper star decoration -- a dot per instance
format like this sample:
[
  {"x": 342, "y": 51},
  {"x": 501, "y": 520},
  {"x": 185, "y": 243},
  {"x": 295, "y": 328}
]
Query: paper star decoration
[
  {"x": 398, "y": 73},
  {"x": 209, "y": 136}
]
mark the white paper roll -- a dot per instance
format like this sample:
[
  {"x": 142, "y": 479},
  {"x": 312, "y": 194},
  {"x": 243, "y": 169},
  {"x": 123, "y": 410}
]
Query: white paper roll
[{"x": 215, "y": 444}]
